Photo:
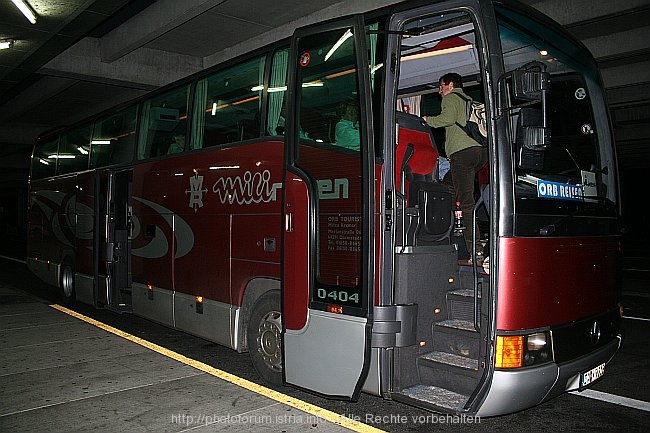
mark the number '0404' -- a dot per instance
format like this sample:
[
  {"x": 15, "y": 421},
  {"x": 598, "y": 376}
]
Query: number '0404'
[{"x": 337, "y": 295}]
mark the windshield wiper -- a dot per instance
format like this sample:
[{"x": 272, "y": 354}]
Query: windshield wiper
[{"x": 549, "y": 229}]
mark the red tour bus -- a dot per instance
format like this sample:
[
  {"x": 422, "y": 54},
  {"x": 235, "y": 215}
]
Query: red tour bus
[{"x": 288, "y": 203}]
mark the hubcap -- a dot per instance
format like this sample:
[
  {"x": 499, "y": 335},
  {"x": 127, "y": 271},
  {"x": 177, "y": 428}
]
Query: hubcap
[{"x": 269, "y": 340}]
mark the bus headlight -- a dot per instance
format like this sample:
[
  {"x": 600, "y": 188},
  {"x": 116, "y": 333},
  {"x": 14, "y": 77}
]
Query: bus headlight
[
  {"x": 538, "y": 348},
  {"x": 515, "y": 351}
]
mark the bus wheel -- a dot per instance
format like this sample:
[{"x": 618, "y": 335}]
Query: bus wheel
[
  {"x": 264, "y": 336},
  {"x": 66, "y": 284}
]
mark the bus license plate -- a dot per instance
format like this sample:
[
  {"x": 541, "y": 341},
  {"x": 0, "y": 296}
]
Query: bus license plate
[{"x": 592, "y": 375}]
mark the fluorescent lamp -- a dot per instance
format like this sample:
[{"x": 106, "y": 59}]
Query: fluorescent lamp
[
  {"x": 343, "y": 38},
  {"x": 6, "y": 44},
  {"x": 26, "y": 9},
  {"x": 444, "y": 51}
]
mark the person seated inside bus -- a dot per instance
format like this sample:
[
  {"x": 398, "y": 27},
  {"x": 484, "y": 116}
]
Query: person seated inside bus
[
  {"x": 347, "y": 129},
  {"x": 178, "y": 145},
  {"x": 281, "y": 127}
]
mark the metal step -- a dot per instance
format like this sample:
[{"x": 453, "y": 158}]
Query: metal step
[
  {"x": 451, "y": 359},
  {"x": 434, "y": 397},
  {"x": 460, "y": 305},
  {"x": 464, "y": 293},
  {"x": 463, "y": 325},
  {"x": 448, "y": 371},
  {"x": 457, "y": 337}
]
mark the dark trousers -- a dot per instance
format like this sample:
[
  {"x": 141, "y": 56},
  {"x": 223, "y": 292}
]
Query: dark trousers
[{"x": 464, "y": 165}]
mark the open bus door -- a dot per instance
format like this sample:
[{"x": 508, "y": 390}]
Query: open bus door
[
  {"x": 115, "y": 242},
  {"x": 328, "y": 201}
]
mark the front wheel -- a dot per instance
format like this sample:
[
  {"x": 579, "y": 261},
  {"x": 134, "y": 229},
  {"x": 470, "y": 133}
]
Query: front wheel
[{"x": 264, "y": 337}]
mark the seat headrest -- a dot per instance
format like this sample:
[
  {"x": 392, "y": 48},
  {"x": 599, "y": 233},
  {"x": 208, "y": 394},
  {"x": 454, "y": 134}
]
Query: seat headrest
[{"x": 414, "y": 130}]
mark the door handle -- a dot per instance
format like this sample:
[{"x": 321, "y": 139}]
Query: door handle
[{"x": 288, "y": 221}]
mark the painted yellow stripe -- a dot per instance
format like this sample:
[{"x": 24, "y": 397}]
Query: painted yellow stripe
[{"x": 258, "y": 389}]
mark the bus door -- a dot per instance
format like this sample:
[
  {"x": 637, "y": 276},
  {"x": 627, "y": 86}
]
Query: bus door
[
  {"x": 117, "y": 245},
  {"x": 327, "y": 262}
]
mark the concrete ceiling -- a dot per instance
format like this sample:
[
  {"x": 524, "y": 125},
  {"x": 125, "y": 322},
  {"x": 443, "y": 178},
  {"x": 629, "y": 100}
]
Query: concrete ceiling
[{"x": 83, "y": 56}]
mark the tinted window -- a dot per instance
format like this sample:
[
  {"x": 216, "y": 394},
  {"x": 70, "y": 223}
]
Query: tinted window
[
  {"x": 227, "y": 107},
  {"x": 328, "y": 132},
  {"x": 113, "y": 139},
  {"x": 162, "y": 122},
  {"x": 74, "y": 149},
  {"x": 44, "y": 161}
]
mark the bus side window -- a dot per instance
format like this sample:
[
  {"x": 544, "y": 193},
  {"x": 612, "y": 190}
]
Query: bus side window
[
  {"x": 227, "y": 105},
  {"x": 163, "y": 117},
  {"x": 73, "y": 150},
  {"x": 113, "y": 139},
  {"x": 43, "y": 165},
  {"x": 329, "y": 104}
]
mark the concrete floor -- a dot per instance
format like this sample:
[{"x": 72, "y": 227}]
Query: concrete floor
[{"x": 58, "y": 373}]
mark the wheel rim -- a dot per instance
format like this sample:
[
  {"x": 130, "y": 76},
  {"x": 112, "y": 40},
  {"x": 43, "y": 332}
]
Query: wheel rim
[
  {"x": 269, "y": 340},
  {"x": 67, "y": 282}
]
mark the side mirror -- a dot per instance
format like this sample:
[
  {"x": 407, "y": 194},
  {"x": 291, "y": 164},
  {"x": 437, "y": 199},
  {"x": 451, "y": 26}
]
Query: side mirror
[
  {"x": 530, "y": 85},
  {"x": 531, "y": 132},
  {"x": 532, "y": 139}
]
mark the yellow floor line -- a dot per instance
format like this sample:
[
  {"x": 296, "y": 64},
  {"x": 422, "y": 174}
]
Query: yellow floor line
[{"x": 258, "y": 389}]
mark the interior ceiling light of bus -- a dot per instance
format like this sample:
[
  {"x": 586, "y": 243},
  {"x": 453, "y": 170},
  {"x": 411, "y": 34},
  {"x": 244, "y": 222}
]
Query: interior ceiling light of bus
[
  {"x": 451, "y": 54},
  {"x": 446, "y": 46},
  {"x": 344, "y": 37}
]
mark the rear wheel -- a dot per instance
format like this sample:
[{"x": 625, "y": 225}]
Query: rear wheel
[
  {"x": 264, "y": 336},
  {"x": 66, "y": 284}
]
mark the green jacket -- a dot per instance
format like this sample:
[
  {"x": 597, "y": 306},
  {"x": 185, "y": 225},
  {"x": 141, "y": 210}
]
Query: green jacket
[{"x": 454, "y": 109}]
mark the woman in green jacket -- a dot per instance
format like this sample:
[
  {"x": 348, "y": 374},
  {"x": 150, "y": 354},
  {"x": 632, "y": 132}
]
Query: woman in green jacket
[{"x": 466, "y": 156}]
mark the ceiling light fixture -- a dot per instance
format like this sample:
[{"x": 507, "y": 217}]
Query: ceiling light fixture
[
  {"x": 26, "y": 9},
  {"x": 343, "y": 38},
  {"x": 441, "y": 52},
  {"x": 6, "y": 44}
]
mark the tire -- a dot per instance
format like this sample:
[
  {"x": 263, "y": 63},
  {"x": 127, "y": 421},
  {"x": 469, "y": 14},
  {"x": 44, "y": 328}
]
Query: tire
[
  {"x": 264, "y": 337},
  {"x": 66, "y": 284}
]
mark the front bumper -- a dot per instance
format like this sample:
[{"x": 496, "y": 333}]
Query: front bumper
[{"x": 512, "y": 391}]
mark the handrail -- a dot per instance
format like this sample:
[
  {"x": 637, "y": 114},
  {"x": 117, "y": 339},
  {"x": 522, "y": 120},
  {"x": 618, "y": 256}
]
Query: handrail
[
  {"x": 477, "y": 325},
  {"x": 401, "y": 194}
]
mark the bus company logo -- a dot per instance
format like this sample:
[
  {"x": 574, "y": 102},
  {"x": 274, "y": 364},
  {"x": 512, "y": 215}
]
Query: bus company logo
[
  {"x": 158, "y": 245},
  {"x": 196, "y": 192},
  {"x": 247, "y": 189},
  {"x": 62, "y": 215},
  {"x": 329, "y": 189}
]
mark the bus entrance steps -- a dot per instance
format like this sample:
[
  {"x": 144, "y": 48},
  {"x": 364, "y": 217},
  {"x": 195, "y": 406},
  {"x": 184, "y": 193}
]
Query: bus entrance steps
[{"x": 448, "y": 373}]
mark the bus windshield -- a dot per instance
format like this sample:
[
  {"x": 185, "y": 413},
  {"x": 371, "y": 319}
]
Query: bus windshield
[{"x": 575, "y": 162}]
